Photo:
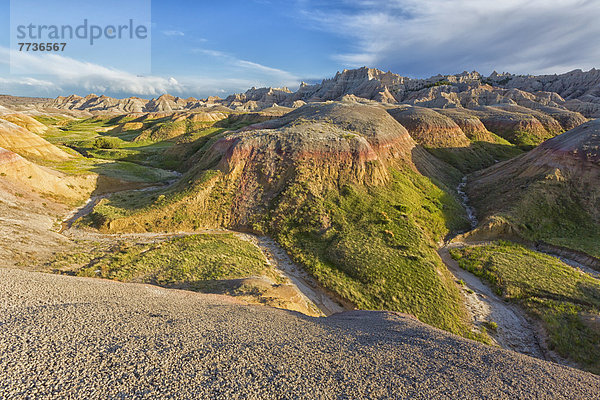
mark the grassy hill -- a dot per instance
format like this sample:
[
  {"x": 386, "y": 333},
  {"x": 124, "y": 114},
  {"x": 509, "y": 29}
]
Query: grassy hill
[
  {"x": 548, "y": 194},
  {"x": 339, "y": 187}
]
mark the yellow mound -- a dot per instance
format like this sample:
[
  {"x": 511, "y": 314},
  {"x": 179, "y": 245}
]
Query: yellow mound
[
  {"x": 27, "y": 122},
  {"x": 28, "y": 144},
  {"x": 43, "y": 180}
]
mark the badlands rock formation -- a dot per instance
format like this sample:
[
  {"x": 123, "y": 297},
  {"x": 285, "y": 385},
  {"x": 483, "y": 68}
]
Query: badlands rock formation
[
  {"x": 524, "y": 110},
  {"x": 574, "y": 91}
]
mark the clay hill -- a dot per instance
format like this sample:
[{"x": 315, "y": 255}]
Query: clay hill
[
  {"x": 328, "y": 144},
  {"x": 26, "y": 143},
  {"x": 42, "y": 180},
  {"x": 549, "y": 194}
]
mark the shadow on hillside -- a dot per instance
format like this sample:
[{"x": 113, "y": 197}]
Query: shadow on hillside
[
  {"x": 446, "y": 167},
  {"x": 479, "y": 155}
]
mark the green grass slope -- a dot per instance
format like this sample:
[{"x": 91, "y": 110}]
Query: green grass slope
[
  {"x": 565, "y": 300},
  {"x": 549, "y": 194},
  {"x": 336, "y": 186}
]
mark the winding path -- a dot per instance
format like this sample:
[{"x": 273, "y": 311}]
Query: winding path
[
  {"x": 514, "y": 330},
  {"x": 313, "y": 293}
]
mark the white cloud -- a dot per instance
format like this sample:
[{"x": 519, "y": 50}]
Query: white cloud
[
  {"x": 65, "y": 72},
  {"x": 56, "y": 74},
  {"x": 173, "y": 33},
  {"x": 266, "y": 76},
  {"x": 424, "y": 37}
]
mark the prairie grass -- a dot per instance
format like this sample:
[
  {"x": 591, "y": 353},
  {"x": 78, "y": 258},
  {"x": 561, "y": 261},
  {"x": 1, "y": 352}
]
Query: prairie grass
[
  {"x": 189, "y": 259},
  {"x": 565, "y": 300}
]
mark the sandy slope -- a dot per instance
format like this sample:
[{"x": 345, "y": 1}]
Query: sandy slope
[
  {"x": 84, "y": 338},
  {"x": 25, "y": 121},
  {"x": 28, "y": 144}
]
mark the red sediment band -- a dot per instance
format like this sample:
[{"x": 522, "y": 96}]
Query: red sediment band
[{"x": 8, "y": 157}]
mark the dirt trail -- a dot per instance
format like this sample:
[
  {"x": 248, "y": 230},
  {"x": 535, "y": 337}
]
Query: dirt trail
[
  {"x": 80, "y": 212},
  {"x": 313, "y": 293},
  {"x": 514, "y": 331},
  {"x": 305, "y": 284}
]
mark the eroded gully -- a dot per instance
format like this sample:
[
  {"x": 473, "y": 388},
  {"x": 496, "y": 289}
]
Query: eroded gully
[
  {"x": 312, "y": 292},
  {"x": 515, "y": 331}
]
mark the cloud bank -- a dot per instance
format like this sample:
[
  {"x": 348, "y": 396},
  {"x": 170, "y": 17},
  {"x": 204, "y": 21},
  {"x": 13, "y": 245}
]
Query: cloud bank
[
  {"x": 56, "y": 74},
  {"x": 427, "y": 37}
]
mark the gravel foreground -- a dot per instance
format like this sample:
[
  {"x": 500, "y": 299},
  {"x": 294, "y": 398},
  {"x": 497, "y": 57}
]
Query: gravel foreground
[{"x": 65, "y": 337}]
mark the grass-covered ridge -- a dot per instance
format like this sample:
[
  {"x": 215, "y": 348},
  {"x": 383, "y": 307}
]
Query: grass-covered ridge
[
  {"x": 549, "y": 194},
  {"x": 558, "y": 213},
  {"x": 565, "y": 300},
  {"x": 192, "y": 260},
  {"x": 480, "y": 154},
  {"x": 210, "y": 262},
  {"x": 545, "y": 208},
  {"x": 374, "y": 246},
  {"x": 377, "y": 246}
]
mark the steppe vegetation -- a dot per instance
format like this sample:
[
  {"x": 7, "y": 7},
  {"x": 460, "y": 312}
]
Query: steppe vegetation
[{"x": 565, "y": 300}]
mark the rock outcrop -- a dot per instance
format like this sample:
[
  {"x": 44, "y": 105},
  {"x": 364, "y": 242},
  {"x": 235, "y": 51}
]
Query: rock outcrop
[
  {"x": 575, "y": 91},
  {"x": 581, "y": 90}
]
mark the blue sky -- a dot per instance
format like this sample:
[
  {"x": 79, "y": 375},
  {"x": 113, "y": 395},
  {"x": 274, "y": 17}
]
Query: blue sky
[{"x": 201, "y": 48}]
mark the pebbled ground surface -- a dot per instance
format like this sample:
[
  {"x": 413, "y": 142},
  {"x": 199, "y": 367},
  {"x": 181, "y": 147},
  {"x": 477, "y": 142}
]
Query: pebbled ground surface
[{"x": 65, "y": 337}]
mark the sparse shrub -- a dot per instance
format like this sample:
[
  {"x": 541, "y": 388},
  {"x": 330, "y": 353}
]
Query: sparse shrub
[
  {"x": 106, "y": 143},
  {"x": 492, "y": 325},
  {"x": 438, "y": 83}
]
